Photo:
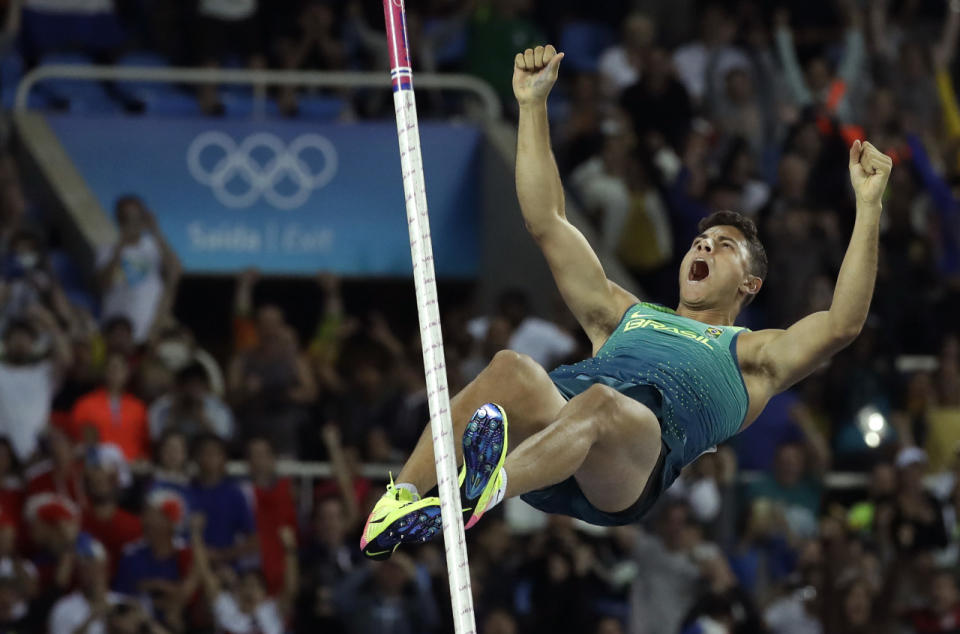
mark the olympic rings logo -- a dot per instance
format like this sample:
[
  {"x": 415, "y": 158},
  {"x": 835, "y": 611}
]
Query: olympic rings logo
[{"x": 235, "y": 163}]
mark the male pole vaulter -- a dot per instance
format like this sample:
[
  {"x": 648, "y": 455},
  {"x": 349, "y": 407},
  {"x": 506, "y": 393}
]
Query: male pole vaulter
[{"x": 600, "y": 440}]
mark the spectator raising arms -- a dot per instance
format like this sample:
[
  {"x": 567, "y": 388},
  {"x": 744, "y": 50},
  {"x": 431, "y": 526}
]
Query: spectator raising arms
[
  {"x": 28, "y": 380},
  {"x": 247, "y": 609},
  {"x": 139, "y": 275}
]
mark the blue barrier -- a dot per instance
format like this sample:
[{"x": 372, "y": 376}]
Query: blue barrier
[{"x": 284, "y": 196}]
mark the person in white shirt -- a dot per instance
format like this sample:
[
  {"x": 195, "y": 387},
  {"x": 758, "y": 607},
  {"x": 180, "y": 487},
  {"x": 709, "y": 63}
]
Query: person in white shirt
[
  {"x": 247, "y": 609},
  {"x": 139, "y": 274},
  {"x": 620, "y": 65},
  {"x": 702, "y": 64},
  {"x": 544, "y": 341},
  {"x": 28, "y": 381}
]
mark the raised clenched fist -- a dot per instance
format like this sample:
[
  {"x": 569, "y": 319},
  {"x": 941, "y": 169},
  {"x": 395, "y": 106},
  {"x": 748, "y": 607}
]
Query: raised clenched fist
[
  {"x": 534, "y": 73},
  {"x": 869, "y": 170}
]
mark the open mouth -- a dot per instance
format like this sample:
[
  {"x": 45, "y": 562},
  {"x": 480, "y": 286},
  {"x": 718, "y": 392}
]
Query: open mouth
[{"x": 699, "y": 271}]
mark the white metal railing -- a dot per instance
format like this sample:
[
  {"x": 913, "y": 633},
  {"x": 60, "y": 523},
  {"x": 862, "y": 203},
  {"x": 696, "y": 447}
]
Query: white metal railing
[
  {"x": 836, "y": 480},
  {"x": 308, "y": 472},
  {"x": 259, "y": 79}
]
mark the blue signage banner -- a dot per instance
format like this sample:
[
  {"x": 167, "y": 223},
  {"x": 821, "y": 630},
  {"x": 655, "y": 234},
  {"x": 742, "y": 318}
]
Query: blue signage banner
[{"x": 284, "y": 196}]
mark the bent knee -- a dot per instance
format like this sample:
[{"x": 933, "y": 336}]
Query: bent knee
[
  {"x": 515, "y": 364},
  {"x": 617, "y": 417}
]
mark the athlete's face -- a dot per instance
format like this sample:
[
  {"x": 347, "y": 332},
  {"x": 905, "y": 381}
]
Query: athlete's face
[{"x": 715, "y": 271}]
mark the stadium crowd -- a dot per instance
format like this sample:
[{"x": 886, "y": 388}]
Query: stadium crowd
[{"x": 117, "y": 423}]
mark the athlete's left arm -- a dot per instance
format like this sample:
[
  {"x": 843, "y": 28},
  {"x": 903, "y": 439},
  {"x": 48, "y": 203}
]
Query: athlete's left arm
[{"x": 787, "y": 356}]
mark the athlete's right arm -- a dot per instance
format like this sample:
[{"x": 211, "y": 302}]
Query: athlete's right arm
[{"x": 596, "y": 302}]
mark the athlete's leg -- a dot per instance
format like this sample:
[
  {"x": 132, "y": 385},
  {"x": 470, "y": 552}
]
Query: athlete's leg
[
  {"x": 608, "y": 441},
  {"x": 515, "y": 382}
]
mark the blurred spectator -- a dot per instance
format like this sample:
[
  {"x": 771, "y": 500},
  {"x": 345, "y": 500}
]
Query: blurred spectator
[
  {"x": 725, "y": 602},
  {"x": 103, "y": 518},
  {"x": 139, "y": 275},
  {"x": 346, "y": 483},
  {"x": 941, "y": 614},
  {"x": 366, "y": 409},
  {"x": 708, "y": 487},
  {"x": 702, "y": 64},
  {"x": 428, "y": 39},
  {"x": 28, "y": 380},
  {"x": 128, "y": 617},
  {"x": 881, "y": 490},
  {"x": 117, "y": 338},
  {"x": 622, "y": 64},
  {"x": 666, "y": 590},
  {"x": 26, "y": 278},
  {"x": 818, "y": 84},
  {"x": 543, "y": 340},
  {"x": 246, "y": 609},
  {"x": 112, "y": 414},
  {"x": 191, "y": 408},
  {"x": 85, "y": 609},
  {"x": 269, "y": 380},
  {"x": 327, "y": 554},
  {"x": 795, "y": 484},
  {"x": 11, "y": 484},
  {"x": 159, "y": 568},
  {"x": 171, "y": 473},
  {"x": 222, "y": 28},
  {"x": 917, "y": 523},
  {"x": 763, "y": 557},
  {"x": 52, "y": 523},
  {"x": 497, "y": 31},
  {"x": 390, "y": 597},
  {"x": 309, "y": 40},
  {"x": 273, "y": 510},
  {"x": 177, "y": 348},
  {"x": 60, "y": 472},
  {"x": 614, "y": 190},
  {"x": 658, "y": 104},
  {"x": 229, "y": 530},
  {"x": 19, "y": 612}
]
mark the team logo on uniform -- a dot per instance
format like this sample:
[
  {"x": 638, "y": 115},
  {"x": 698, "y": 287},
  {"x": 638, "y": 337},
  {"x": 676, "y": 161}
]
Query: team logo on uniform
[{"x": 714, "y": 332}]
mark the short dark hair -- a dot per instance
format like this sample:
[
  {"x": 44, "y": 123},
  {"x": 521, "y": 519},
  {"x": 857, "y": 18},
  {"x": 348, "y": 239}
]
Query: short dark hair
[
  {"x": 746, "y": 226},
  {"x": 201, "y": 441},
  {"x": 194, "y": 371},
  {"x": 19, "y": 325},
  {"x": 127, "y": 199},
  {"x": 117, "y": 321}
]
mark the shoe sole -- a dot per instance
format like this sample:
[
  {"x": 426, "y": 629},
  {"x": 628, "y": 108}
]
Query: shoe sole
[
  {"x": 417, "y": 526},
  {"x": 484, "y": 452}
]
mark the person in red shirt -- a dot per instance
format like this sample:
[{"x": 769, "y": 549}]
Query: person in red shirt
[
  {"x": 60, "y": 473},
  {"x": 113, "y": 415},
  {"x": 102, "y": 517},
  {"x": 942, "y": 614},
  {"x": 11, "y": 485},
  {"x": 272, "y": 500},
  {"x": 52, "y": 523}
]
